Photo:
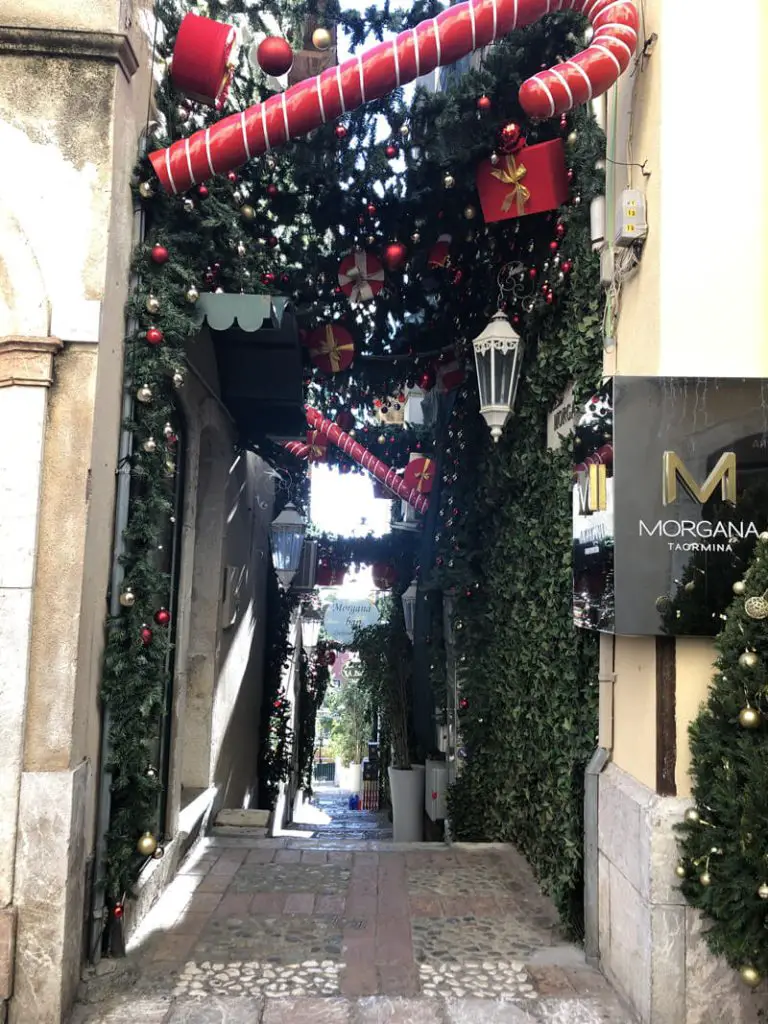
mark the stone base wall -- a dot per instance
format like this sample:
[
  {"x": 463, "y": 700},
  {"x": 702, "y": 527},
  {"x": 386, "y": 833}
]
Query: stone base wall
[{"x": 651, "y": 944}]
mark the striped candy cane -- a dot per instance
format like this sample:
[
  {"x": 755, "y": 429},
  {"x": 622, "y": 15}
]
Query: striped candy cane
[{"x": 435, "y": 42}]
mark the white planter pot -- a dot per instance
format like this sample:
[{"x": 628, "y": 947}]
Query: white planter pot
[{"x": 407, "y": 789}]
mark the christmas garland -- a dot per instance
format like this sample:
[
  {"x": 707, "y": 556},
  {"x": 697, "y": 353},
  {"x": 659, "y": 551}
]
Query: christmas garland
[{"x": 314, "y": 678}]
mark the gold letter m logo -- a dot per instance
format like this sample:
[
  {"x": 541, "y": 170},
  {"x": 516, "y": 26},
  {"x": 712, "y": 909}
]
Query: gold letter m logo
[{"x": 724, "y": 473}]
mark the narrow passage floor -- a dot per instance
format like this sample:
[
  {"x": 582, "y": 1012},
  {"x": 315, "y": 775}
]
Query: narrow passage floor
[{"x": 337, "y": 930}]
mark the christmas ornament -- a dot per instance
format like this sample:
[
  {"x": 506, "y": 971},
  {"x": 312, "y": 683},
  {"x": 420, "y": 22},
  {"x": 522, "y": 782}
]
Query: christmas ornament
[
  {"x": 306, "y": 105},
  {"x": 272, "y": 190},
  {"x": 691, "y": 816},
  {"x": 345, "y": 419},
  {"x": 361, "y": 276},
  {"x": 391, "y": 152},
  {"x": 449, "y": 181},
  {"x": 748, "y": 659},
  {"x": 484, "y": 104},
  {"x": 322, "y": 39},
  {"x": 144, "y": 394},
  {"x": 750, "y": 976},
  {"x": 438, "y": 254},
  {"x": 178, "y": 379},
  {"x": 531, "y": 180},
  {"x": 154, "y": 336},
  {"x": 202, "y": 191},
  {"x": 127, "y": 598},
  {"x": 169, "y": 433},
  {"x": 415, "y": 237},
  {"x": 331, "y": 348},
  {"x": 572, "y": 138},
  {"x": 146, "y": 635},
  {"x": 757, "y": 607},
  {"x": 150, "y": 445},
  {"x": 317, "y": 446},
  {"x": 762, "y": 892},
  {"x": 749, "y": 718},
  {"x": 420, "y": 474},
  {"x": 395, "y": 256},
  {"x": 192, "y": 295},
  {"x": 705, "y": 879},
  {"x": 274, "y": 56},
  {"x": 145, "y": 190},
  {"x": 152, "y": 304},
  {"x": 203, "y": 60},
  {"x": 340, "y": 131},
  {"x": 159, "y": 254},
  {"x": 427, "y": 380},
  {"x": 159, "y": 853},
  {"x": 739, "y": 587},
  {"x": 146, "y": 845},
  {"x": 247, "y": 212},
  {"x": 470, "y": 212},
  {"x": 763, "y": 536},
  {"x": 162, "y": 616},
  {"x": 680, "y": 871}
]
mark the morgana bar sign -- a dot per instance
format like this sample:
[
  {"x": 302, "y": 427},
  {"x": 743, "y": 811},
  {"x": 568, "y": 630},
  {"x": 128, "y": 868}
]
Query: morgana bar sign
[{"x": 670, "y": 493}]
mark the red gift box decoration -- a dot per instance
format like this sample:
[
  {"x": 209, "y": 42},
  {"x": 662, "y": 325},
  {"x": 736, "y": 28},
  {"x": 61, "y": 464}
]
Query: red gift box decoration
[
  {"x": 531, "y": 180},
  {"x": 420, "y": 474},
  {"x": 203, "y": 62},
  {"x": 331, "y": 348},
  {"x": 361, "y": 276},
  {"x": 438, "y": 254},
  {"x": 450, "y": 374}
]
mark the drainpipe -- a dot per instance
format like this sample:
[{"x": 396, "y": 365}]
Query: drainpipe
[
  {"x": 597, "y": 764},
  {"x": 123, "y": 487}
]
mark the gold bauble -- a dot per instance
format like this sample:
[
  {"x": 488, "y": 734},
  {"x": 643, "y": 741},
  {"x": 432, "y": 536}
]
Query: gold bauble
[
  {"x": 170, "y": 467},
  {"x": 749, "y": 718},
  {"x": 147, "y": 845},
  {"x": 127, "y": 598},
  {"x": 159, "y": 853},
  {"x": 662, "y": 603},
  {"x": 748, "y": 659},
  {"x": 750, "y": 976},
  {"x": 572, "y": 138},
  {"x": 705, "y": 879},
  {"x": 449, "y": 181},
  {"x": 144, "y": 394},
  {"x": 145, "y": 190},
  {"x": 739, "y": 587},
  {"x": 415, "y": 237},
  {"x": 680, "y": 871},
  {"x": 150, "y": 444},
  {"x": 322, "y": 39},
  {"x": 192, "y": 295},
  {"x": 762, "y": 892},
  {"x": 691, "y": 816},
  {"x": 405, "y": 131},
  {"x": 763, "y": 536},
  {"x": 756, "y": 607},
  {"x": 189, "y": 205},
  {"x": 167, "y": 430},
  {"x": 247, "y": 212},
  {"x": 470, "y": 212},
  {"x": 152, "y": 304},
  {"x": 689, "y": 587},
  {"x": 178, "y": 379}
]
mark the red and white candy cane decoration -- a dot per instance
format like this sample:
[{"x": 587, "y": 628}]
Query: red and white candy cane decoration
[
  {"x": 389, "y": 477},
  {"x": 449, "y": 36},
  {"x": 298, "y": 448}
]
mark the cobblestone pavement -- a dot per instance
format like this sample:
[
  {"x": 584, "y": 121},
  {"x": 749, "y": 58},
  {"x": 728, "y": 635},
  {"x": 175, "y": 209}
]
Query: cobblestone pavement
[{"x": 330, "y": 930}]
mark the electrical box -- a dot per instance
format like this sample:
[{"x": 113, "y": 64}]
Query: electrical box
[
  {"x": 436, "y": 790},
  {"x": 631, "y": 225}
]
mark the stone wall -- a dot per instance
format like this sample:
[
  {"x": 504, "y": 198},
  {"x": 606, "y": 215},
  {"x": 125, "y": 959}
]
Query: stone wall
[{"x": 651, "y": 946}]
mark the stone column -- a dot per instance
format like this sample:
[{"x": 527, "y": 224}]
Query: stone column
[{"x": 26, "y": 372}]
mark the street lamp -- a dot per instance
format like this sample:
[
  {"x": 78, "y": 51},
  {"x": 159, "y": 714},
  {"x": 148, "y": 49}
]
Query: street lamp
[
  {"x": 498, "y": 357},
  {"x": 409, "y": 608},
  {"x": 311, "y": 621},
  {"x": 287, "y": 536}
]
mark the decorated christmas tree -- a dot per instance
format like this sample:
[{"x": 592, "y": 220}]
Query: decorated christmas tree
[{"x": 724, "y": 852}]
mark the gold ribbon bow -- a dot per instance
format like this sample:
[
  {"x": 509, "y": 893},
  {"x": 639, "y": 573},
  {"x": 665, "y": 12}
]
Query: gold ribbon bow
[
  {"x": 512, "y": 174},
  {"x": 317, "y": 450},
  {"x": 331, "y": 348},
  {"x": 424, "y": 477}
]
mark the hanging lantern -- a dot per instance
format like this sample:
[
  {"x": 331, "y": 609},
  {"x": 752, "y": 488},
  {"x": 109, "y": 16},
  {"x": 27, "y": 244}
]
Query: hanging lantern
[
  {"x": 287, "y": 537},
  {"x": 311, "y": 621},
  {"x": 498, "y": 357},
  {"x": 409, "y": 608}
]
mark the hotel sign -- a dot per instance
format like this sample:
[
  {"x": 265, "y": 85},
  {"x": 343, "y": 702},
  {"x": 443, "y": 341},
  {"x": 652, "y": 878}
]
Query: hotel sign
[{"x": 670, "y": 493}]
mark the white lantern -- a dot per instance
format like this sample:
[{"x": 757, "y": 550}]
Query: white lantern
[
  {"x": 498, "y": 357},
  {"x": 409, "y": 608},
  {"x": 311, "y": 621},
  {"x": 287, "y": 537}
]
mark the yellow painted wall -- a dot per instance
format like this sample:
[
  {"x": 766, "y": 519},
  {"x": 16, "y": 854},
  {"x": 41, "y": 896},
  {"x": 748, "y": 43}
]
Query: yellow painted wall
[{"x": 684, "y": 313}]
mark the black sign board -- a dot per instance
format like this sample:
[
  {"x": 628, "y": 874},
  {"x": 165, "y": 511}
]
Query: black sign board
[{"x": 670, "y": 493}]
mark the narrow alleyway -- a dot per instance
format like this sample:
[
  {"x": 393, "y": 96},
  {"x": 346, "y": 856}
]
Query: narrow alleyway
[{"x": 344, "y": 927}]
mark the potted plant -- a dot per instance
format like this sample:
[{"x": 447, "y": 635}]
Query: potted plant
[{"x": 386, "y": 664}]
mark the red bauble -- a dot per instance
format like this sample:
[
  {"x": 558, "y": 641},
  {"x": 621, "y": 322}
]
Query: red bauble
[
  {"x": 560, "y": 230},
  {"x": 162, "y": 616},
  {"x": 391, "y": 152},
  {"x": 345, "y": 419},
  {"x": 146, "y": 636},
  {"x": 532, "y": 273},
  {"x": 340, "y": 131},
  {"x": 463, "y": 704},
  {"x": 272, "y": 190},
  {"x": 159, "y": 254},
  {"x": 515, "y": 320},
  {"x": 202, "y": 191},
  {"x": 567, "y": 267},
  {"x": 272, "y": 241},
  {"x": 371, "y": 209},
  {"x": 154, "y": 336},
  {"x": 549, "y": 298},
  {"x": 570, "y": 175},
  {"x": 427, "y": 380},
  {"x": 395, "y": 256},
  {"x": 275, "y": 56},
  {"x": 484, "y": 103},
  {"x": 510, "y": 137},
  {"x": 268, "y": 278},
  {"x": 232, "y": 176},
  {"x": 554, "y": 246}
]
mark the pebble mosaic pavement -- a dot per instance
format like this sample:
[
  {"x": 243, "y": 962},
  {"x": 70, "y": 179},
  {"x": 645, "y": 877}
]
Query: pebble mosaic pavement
[{"x": 345, "y": 927}]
